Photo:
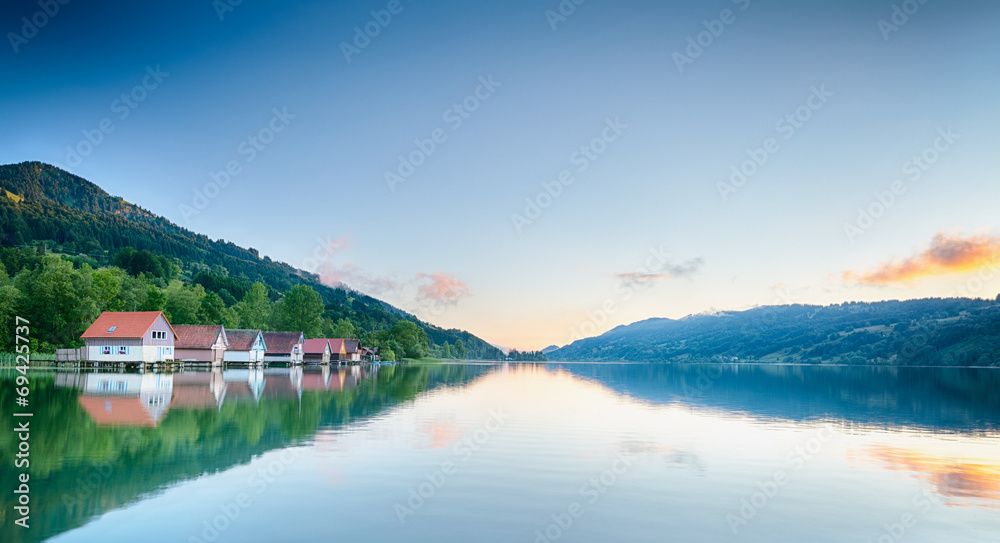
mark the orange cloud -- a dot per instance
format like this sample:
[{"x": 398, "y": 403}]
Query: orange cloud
[
  {"x": 952, "y": 478},
  {"x": 947, "y": 254},
  {"x": 440, "y": 434}
]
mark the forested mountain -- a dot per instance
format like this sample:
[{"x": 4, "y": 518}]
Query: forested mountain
[
  {"x": 66, "y": 214},
  {"x": 935, "y": 331}
]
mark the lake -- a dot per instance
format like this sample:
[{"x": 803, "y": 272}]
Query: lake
[{"x": 528, "y": 453}]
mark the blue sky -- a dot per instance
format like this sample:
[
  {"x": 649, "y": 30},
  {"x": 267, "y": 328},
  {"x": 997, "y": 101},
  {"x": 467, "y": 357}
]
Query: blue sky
[{"x": 643, "y": 230}]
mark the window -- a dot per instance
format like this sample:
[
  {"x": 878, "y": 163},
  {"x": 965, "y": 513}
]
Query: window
[
  {"x": 122, "y": 350},
  {"x": 159, "y": 334},
  {"x": 111, "y": 386},
  {"x": 106, "y": 350},
  {"x": 112, "y": 329}
]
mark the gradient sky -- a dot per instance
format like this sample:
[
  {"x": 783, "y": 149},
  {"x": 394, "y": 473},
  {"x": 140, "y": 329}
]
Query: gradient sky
[{"x": 443, "y": 243}]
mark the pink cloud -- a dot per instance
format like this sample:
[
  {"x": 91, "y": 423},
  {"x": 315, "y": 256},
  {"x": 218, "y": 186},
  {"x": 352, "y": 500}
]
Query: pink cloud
[
  {"x": 441, "y": 287},
  {"x": 334, "y": 246}
]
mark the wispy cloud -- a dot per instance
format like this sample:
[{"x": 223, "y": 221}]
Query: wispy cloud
[
  {"x": 637, "y": 278},
  {"x": 948, "y": 253},
  {"x": 351, "y": 276},
  {"x": 423, "y": 293},
  {"x": 667, "y": 270},
  {"x": 335, "y": 246}
]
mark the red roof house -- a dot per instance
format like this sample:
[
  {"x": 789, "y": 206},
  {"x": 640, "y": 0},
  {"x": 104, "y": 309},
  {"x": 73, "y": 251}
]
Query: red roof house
[
  {"x": 245, "y": 346},
  {"x": 345, "y": 350},
  {"x": 200, "y": 343},
  {"x": 283, "y": 347},
  {"x": 131, "y": 336},
  {"x": 316, "y": 351}
]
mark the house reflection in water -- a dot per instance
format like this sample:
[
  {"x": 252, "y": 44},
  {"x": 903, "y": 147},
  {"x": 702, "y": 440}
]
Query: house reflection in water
[
  {"x": 122, "y": 399},
  {"x": 143, "y": 399}
]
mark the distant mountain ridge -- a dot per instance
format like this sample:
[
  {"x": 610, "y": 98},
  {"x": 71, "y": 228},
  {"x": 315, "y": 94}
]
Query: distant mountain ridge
[
  {"x": 934, "y": 331},
  {"x": 40, "y": 202}
]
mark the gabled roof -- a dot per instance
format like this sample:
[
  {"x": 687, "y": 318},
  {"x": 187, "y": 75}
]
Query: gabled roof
[
  {"x": 315, "y": 346},
  {"x": 112, "y": 411},
  {"x": 126, "y": 324},
  {"x": 197, "y": 336},
  {"x": 281, "y": 342},
  {"x": 350, "y": 345},
  {"x": 242, "y": 340}
]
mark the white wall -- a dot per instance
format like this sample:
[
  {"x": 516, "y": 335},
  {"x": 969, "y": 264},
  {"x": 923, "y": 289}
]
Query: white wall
[{"x": 136, "y": 353}]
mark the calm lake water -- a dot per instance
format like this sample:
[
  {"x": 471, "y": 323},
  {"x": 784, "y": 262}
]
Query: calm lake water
[{"x": 518, "y": 453}]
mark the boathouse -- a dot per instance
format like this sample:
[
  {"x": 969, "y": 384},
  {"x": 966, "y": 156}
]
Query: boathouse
[{"x": 134, "y": 336}]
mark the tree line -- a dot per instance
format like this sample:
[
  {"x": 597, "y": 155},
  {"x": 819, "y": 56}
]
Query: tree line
[
  {"x": 69, "y": 215},
  {"x": 62, "y": 296}
]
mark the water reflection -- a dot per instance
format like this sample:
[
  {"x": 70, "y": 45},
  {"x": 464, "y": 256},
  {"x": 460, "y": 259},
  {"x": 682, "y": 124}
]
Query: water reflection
[
  {"x": 122, "y": 399},
  {"x": 964, "y": 475},
  {"x": 962, "y": 400},
  {"x": 101, "y": 441},
  {"x": 134, "y": 399},
  {"x": 700, "y": 440}
]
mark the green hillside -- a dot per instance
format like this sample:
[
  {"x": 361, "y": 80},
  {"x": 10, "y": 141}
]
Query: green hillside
[
  {"x": 947, "y": 332},
  {"x": 73, "y": 217}
]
